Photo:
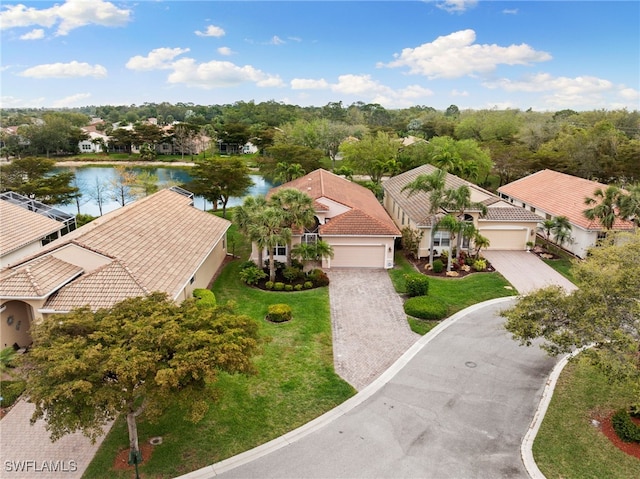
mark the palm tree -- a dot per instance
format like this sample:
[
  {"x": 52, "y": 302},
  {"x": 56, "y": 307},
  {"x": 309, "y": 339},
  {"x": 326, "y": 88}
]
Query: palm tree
[
  {"x": 630, "y": 204},
  {"x": 434, "y": 185},
  {"x": 561, "y": 229},
  {"x": 546, "y": 227},
  {"x": 268, "y": 227},
  {"x": 286, "y": 172},
  {"x": 604, "y": 209},
  {"x": 451, "y": 224},
  {"x": 310, "y": 252},
  {"x": 245, "y": 215},
  {"x": 480, "y": 242},
  {"x": 459, "y": 200},
  {"x": 298, "y": 210}
]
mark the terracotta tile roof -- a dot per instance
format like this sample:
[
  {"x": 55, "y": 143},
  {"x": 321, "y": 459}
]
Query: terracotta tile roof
[
  {"x": 416, "y": 205},
  {"x": 370, "y": 219},
  {"x": 102, "y": 288},
  {"x": 20, "y": 227},
  {"x": 558, "y": 194},
  {"x": 37, "y": 279}
]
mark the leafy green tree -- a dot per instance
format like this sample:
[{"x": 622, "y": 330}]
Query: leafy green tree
[
  {"x": 603, "y": 312},
  {"x": 373, "y": 156},
  {"x": 604, "y": 206},
  {"x": 147, "y": 152},
  {"x": 218, "y": 179},
  {"x": 298, "y": 211},
  {"x": 137, "y": 357},
  {"x": 35, "y": 178},
  {"x": 307, "y": 158},
  {"x": 435, "y": 187},
  {"x": 286, "y": 172},
  {"x": 462, "y": 158}
]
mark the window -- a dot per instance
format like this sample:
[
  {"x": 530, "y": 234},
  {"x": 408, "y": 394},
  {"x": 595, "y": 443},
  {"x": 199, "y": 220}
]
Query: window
[
  {"x": 441, "y": 238},
  {"x": 193, "y": 278},
  {"x": 403, "y": 218},
  {"x": 280, "y": 250},
  {"x": 533, "y": 210}
]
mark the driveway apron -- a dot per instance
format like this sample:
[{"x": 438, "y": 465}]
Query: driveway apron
[
  {"x": 526, "y": 271},
  {"x": 370, "y": 329}
]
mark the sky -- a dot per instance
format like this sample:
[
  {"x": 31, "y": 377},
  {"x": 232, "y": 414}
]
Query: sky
[{"x": 543, "y": 55}]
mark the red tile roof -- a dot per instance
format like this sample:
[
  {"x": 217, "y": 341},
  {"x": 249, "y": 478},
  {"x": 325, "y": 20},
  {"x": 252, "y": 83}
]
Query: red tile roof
[
  {"x": 366, "y": 215},
  {"x": 559, "y": 194}
]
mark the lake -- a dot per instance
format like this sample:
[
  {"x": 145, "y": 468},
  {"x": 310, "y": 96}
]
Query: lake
[{"x": 86, "y": 177}]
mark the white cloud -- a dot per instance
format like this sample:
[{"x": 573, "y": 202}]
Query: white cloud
[
  {"x": 456, "y": 55},
  {"x": 211, "y": 31},
  {"x": 276, "y": 40},
  {"x": 13, "y": 102},
  {"x": 35, "y": 34},
  {"x": 70, "y": 15},
  {"x": 73, "y": 100},
  {"x": 309, "y": 84},
  {"x": 455, "y": 92},
  {"x": 510, "y": 11},
  {"x": 157, "y": 59},
  {"x": 226, "y": 51},
  {"x": 456, "y": 6},
  {"x": 72, "y": 69},
  {"x": 216, "y": 74}
]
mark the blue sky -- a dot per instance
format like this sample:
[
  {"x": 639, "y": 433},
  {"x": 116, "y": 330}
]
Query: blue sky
[{"x": 544, "y": 55}]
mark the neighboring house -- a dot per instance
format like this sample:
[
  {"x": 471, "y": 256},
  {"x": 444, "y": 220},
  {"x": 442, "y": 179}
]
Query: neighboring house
[
  {"x": 27, "y": 225},
  {"x": 550, "y": 194},
  {"x": 158, "y": 243},
  {"x": 506, "y": 226},
  {"x": 349, "y": 218}
]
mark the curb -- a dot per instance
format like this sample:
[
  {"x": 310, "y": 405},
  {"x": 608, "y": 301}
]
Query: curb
[{"x": 321, "y": 421}]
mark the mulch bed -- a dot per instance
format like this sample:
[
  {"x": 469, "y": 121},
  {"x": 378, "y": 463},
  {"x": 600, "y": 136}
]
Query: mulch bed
[
  {"x": 121, "y": 462},
  {"x": 422, "y": 263},
  {"x": 631, "y": 448}
]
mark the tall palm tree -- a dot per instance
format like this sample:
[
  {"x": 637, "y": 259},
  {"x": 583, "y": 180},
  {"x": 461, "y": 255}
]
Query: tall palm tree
[
  {"x": 603, "y": 206},
  {"x": 630, "y": 204},
  {"x": 269, "y": 226},
  {"x": 298, "y": 211},
  {"x": 480, "y": 242},
  {"x": 546, "y": 227},
  {"x": 452, "y": 225},
  {"x": 459, "y": 201},
  {"x": 561, "y": 229},
  {"x": 245, "y": 215},
  {"x": 434, "y": 185}
]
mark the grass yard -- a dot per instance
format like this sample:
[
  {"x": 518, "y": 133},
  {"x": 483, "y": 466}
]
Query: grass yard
[
  {"x": 562, "y": 266},
  {"x": 457, "y": 294},
  {"x": 568, "y": 445},
  {"x": 296, "y": 383}
]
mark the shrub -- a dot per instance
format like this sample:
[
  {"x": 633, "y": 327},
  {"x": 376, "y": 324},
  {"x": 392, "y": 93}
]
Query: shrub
[
  {"x": 298, "y": 287},
  {"x": 308, "y": 285},
  {"x": 480, "y": 264},
  {"x": 11, "y": 391},
  {"x": 251, "y": 274},
  {"x": 411, "y": 240},
  {"x": 279, "y": 313},
  {"x": 247, "y": 264},
  {"x": 318, "y": 277},
  {"x": 292, "y": 273},
  {"x": 278, "y": 286},
  {"x": 268, "y": 285},
  {"x": 204, "y": 298},
  {"x": 625, "y": 428},
  {"x": 425, "y": 307},
  {"x": 438, "y": 266},
  {"x": 417, "y": 284},
  {"x": 288, "y": 287}
]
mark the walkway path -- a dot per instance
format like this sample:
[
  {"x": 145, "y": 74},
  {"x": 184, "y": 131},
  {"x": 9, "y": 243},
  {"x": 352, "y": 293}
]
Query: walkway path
[{"x": 370, "y": 330}]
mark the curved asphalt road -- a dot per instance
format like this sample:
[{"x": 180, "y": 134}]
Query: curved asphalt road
[{"x": 457, "y": 405}]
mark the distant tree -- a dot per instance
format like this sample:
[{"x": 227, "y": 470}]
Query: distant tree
[
  {"x": 35, "y": 178},
  {"x": 629, "y": 204},
  {"x": 122, "y": 138},
  {"x": 122, "y": 187},
  {"x": 286, "y": 172},
  {"x": 373, "y": 156},
  {"x": 147, "y": 152},
  {"x": 184, "y": 138},
  {"x": 307, "y": 158},
  {"x": 604, "y": 312},
  {"x": 99, "y": 192},
  {"x": 139, "y": 356},
  {"x": 452, "y": 111},
  {"x": 218, "y": 179}
]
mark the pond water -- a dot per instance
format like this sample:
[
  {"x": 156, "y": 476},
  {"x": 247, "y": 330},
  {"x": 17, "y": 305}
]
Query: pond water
[{"x": 86, "y": 177}]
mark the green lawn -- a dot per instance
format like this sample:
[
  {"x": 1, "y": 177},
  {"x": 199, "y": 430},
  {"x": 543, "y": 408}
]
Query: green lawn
[
  {"x": 568, "y": 445},
  {"x": 296, "y": 383},
  {"x": 562, "y": 266}
]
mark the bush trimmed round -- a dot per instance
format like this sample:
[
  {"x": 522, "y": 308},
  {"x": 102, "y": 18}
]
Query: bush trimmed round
[
  {"x": 416, "y": 284},
  {"x": 279, "y": 313},
  {"x": 425, "y": 307}
]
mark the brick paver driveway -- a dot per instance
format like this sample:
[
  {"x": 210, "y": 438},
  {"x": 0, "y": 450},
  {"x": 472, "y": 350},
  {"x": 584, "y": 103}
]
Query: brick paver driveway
[{"x": 370, "y": 329}]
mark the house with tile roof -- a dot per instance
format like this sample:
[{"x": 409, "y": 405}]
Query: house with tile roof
[
  {"x": 505, "y": 226},
  {"x": 348, "y": 217},
  {"x": 27, "y": 225},
  {"x": 550, "y": 194},
  {"x": 158, "y": 243}
]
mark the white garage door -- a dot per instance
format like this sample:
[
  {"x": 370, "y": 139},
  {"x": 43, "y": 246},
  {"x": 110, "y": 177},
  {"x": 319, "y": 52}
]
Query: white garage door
[
  {"x": 506, "y": 239},
  {"x": 355, "y": 256}
]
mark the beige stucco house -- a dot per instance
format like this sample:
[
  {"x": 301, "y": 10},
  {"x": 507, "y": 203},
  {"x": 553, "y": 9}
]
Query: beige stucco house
[
  {"x": 550, "y": 194},
  {"x": 158, "y": 243},
  {"x": 507, "y": 227},
  {"x": 349, "y": 218}
]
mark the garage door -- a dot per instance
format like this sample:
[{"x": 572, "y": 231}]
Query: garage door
[
  {"x": 353, "y": 256},
  {"x": 506, "y": 239}
]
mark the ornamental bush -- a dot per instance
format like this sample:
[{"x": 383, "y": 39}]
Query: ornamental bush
[
  {"x": 438, "y": 266},
  {"x": 298, "y": 287},
  {"x": 318, "y": 277},
  {"x": 204, "y": 298},
  {"x": 416, "y": 284},
  {"x": 291, "y": 273},
  {"x": 251, "y": 274},
  {"x": 480, "y": 264},
  {"x": 278, "y": 286},
  {"x": 308, "y": 285},
  {"x": 288, "y": 287},
  {"x": 425, "y": 307},
  {"x": 268, "y": 285},
  {"x": 625, "y": 428},
  {"x": 279, "y": 313},
  {"x": 11, "y": 391}
]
